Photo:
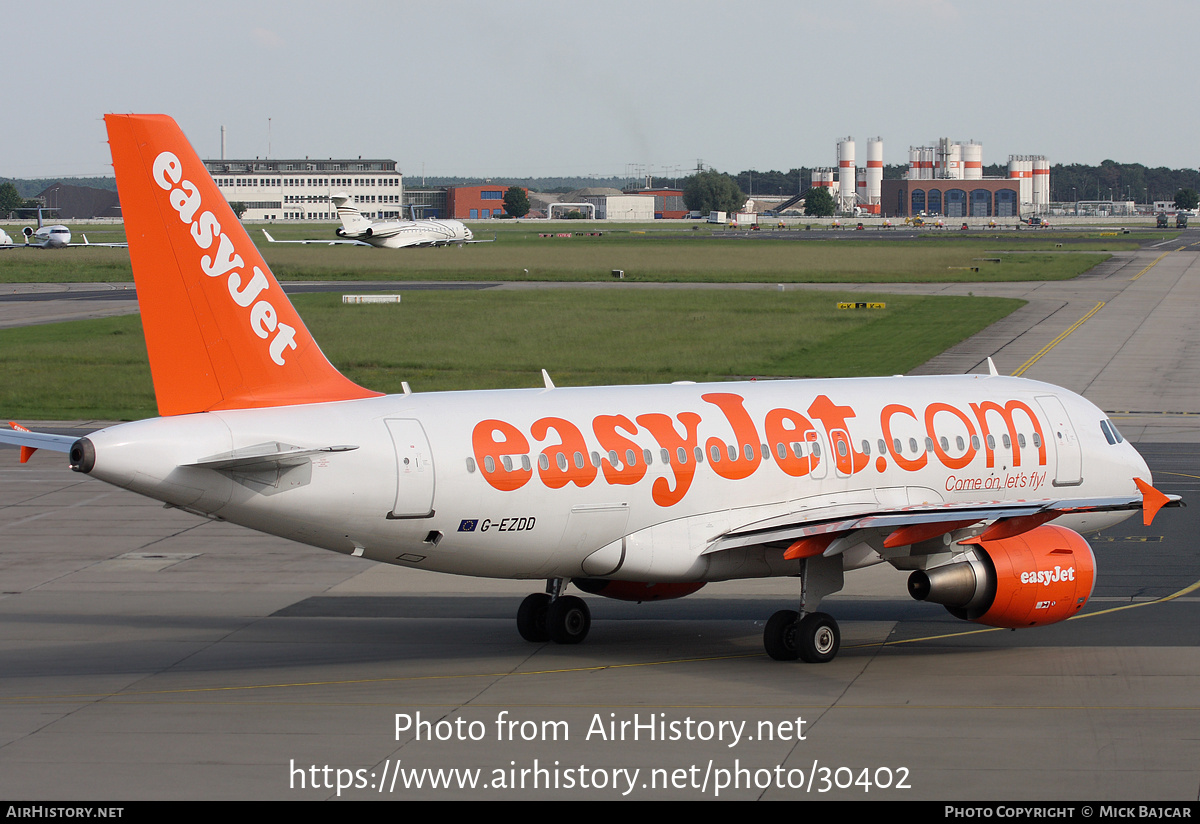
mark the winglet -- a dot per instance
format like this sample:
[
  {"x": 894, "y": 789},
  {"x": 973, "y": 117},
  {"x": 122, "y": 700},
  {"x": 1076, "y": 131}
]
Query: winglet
[
  {"x": 26, "y": 451},
  {"x": 991, "y": 367},
  {"x": 1152, "y": 501},
  {"x": 268, "y": 235}
]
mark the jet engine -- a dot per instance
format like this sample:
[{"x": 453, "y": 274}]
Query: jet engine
[
  {"x": 1039, "y": 577},
  {"x": 27, "y": 232},
  {"x": 635, "y": 590}
]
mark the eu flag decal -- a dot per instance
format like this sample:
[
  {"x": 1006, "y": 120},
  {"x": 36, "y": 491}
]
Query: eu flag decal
[{"x": 468, "y": 525}]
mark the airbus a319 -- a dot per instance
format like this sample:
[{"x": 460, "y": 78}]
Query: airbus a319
[{"x": 977, "y": 484}]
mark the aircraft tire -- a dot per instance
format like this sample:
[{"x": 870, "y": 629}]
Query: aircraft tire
[
  {"x": 818, "y": 638},
  {"x": 531, "y": 617},
  {"x": 779, "y": 636},
  {"x": 568, "y": 620}
]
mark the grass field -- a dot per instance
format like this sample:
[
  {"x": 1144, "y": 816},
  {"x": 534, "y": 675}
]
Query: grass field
[
  {"x": 486, "y": 339},
  {"x": 521, "y": 255}
]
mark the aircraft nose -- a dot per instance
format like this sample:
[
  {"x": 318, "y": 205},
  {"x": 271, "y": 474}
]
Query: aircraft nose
[{"x": 468, "y": 233}]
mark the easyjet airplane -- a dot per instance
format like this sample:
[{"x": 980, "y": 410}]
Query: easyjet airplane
[{"x": 978, "y": 484}]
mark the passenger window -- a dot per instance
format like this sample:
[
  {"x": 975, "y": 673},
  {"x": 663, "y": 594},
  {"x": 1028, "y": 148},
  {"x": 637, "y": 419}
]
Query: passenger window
[
  {"x": 841, "y": 448},
  {"x": 882, "y": 446},
  {"x": 525, "y": 463},
  {"x": 1021, "y": 440},
  {"x": 648, "y": 456},
  {"x": 595, "y": 458},
  {"x": 896, "y": 447},
  {"x": 798, "y": 449},
  {"x": 579, "y": 460},
  {"x": 630, "y": 457},
  {"x": 781, "y": 451},
  {"x": 960, "y": 443},
  {"x": 945, "y": 443},
  {"x": 699, "y": 455},
  {"x": 470, "y": 465},
  {"x": 507, "y": 461},
  {"x": 975, "y": 442},
  {"x": 612, "y": 457},
  {"x": 912, "y": 445},
  {"x": 682, "y": 453},
  {"x": 1007, "y": 441},
  {"x": 991, "y": 442},
  {"x": 766, "y": 453},
  {"x": 543, "y": 462},
  {"x": 716, "y": 453},
  {"x": 489, "y": 464},
  {"x": 562, "y": 462},
  {"x": 1037, "y": 440},
  {"x": 749, "y": 450},
  {"x": 666, "y": 456},
  {"x": 816, "y": 449},
  {"x": 732, "y": 452},
  {"x": 866, "y": 447}
]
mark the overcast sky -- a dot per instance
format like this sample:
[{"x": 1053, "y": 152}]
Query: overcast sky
[{"x": 519, "y": 88}]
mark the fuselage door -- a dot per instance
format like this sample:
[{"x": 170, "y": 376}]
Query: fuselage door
[
  {"x": 1069, "y": 471},
  {"x": 414, "y": 469}
]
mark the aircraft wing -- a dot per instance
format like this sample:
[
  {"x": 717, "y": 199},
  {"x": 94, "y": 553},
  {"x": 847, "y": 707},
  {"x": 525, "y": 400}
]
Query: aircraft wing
[
  {"x": 800, "y": 538},
  {"x": 338, "y": 242},
  {"x": 102, "y": 245}
]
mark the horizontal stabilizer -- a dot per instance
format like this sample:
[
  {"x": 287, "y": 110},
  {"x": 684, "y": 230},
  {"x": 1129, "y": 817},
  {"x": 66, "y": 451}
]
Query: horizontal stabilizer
[{"x": 30, "y": 441}]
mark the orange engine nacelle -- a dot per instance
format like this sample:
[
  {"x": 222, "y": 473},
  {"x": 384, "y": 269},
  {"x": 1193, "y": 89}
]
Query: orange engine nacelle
[
  {"x": 635, "y": 590},
  {"x": 1039, "y": 577}
]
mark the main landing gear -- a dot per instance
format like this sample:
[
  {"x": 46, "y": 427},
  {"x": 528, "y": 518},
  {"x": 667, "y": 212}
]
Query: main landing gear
[
  {"x": 552, "y": 616},
  {"x": 813, "y": 637}
]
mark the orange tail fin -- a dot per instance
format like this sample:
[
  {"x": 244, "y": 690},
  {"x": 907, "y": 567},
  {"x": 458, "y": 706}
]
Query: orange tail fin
[{"x": 220, "y": 332}]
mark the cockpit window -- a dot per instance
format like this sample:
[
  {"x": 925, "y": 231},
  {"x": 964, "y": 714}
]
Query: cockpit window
[{"x": 1110, "y": 432}]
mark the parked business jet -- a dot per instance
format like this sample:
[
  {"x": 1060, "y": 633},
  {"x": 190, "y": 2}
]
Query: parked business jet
[
  {"x": 46, "y": 236},
  {"x": 974, "y": 483},
  {"x": 389, "y": 234}
]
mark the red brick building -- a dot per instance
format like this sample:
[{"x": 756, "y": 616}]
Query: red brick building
[{"x": 476, "y": 202}]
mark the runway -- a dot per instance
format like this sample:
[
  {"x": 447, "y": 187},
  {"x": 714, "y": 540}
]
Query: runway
[{"x": 147, "y": 653}]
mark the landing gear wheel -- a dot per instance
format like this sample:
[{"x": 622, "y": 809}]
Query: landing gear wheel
[
  {"x": 779, "y": 636},
  {"x": 818, "y": 638},
  {"x": 568, "y": 620},
  {"x": 531, "y": 617}
]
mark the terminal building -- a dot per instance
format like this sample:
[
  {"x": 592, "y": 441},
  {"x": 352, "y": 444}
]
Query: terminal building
[{"x": 300, "y": 189}]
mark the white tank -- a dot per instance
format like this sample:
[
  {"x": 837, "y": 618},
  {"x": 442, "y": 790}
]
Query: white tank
[
  {"x": 927, "y": 162},
  {"x": 1041, "y": 183},
  {"x": 954, "y": 167},
  {"x": 845, "y": 148},
  {"x": 914, "y": 163},
  {"x": 972, "y": 155},
  {"x": 874, "y": 170}
]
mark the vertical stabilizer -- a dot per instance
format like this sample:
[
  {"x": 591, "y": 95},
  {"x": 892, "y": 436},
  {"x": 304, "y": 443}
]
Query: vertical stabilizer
[
  {"x": 353, "y": 223},
  {"x": 219, "y": 330}
]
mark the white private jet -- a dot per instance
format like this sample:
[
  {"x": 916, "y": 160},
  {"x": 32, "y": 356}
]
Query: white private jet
[
  {"x": 389, "y": 234},
  {"x": 56, "y": 236},
  {"x": 633, "y": 492}
]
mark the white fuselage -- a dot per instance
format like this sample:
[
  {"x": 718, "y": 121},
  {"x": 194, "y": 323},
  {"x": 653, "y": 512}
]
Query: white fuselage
[
  {"x": 397, "y": 234},
  {"x": 51, "y": 237},
  {"x": 631, "y": 482}
]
